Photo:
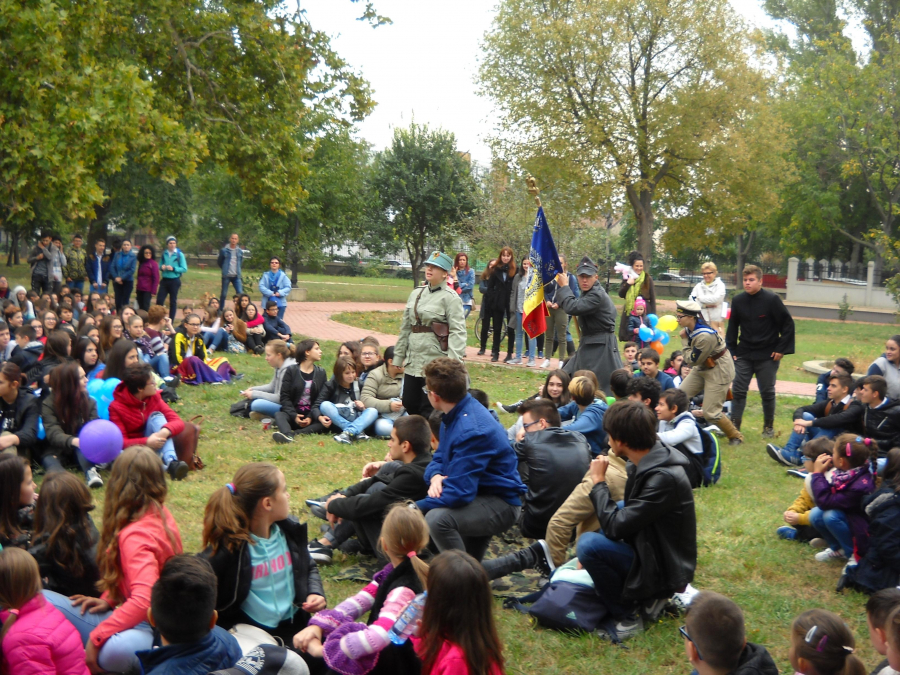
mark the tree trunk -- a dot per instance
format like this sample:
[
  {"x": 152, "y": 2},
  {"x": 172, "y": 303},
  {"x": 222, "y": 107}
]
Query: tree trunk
[
  {"x": 13, "y": 257},
  {"x": 742, "y": 253},
  {"x": 295, "y": 263},
  {"x": 642, "y": 205}
]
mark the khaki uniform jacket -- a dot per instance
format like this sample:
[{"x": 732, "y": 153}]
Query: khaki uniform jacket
[
  {"x": 701, "y": 347},
  {"x": 415, "y": 350}
]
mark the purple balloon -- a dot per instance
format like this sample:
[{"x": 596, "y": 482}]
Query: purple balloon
[{"x": 100, "y": 441}]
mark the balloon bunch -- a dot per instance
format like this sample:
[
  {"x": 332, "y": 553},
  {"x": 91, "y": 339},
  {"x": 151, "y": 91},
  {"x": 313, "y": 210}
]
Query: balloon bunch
[
  {"x": 656, "y": 333},
  {"x": 102, "y": 392}
]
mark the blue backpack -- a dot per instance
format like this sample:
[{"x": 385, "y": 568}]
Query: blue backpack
[{"x": 712, "y": 456}]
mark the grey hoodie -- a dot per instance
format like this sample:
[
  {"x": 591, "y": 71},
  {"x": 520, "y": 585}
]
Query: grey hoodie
[{"x": 272, "y": 391}]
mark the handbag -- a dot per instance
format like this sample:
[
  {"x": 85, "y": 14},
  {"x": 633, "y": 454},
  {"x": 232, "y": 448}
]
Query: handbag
[
  {"x": 186, "y": 444},
  {"x": 241, "y": 408}
]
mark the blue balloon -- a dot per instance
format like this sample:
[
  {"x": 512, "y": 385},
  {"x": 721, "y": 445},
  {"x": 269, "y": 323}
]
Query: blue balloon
[
  {"x": 663, "y": 339},
  {"x": 652, "y": 319},
  {"x": 41, "y": 433},
  {"x": 645, "y": 333},
  {"x": 657, "y": 334},
  {"x": 94, "y": 387},
  {"x": 102, "y": 393}
]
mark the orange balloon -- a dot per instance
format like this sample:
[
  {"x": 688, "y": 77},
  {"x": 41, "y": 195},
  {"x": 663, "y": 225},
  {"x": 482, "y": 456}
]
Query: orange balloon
[{"x": 657, "y": 346}]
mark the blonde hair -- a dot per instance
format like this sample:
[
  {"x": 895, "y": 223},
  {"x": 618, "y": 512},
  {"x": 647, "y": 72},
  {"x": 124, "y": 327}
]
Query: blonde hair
[
  {"x": 280, "y": 347},
  {"x": 20, "y": 581},
  {"x": 709, "y": 267},
  {"x": 582, "y": 390},
  {"x": 405, "y": 532}
]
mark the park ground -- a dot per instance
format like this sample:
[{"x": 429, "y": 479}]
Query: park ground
[{"x": 738, "y": 552}]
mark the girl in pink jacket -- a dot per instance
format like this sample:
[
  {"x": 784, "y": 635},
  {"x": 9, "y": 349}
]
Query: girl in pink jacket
[{"x": 36, "y": 638}]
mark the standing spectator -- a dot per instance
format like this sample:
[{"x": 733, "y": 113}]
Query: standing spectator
[
  {"x": 710, "y": 295},
  {"x": 98, "y": 267},
  {"x": 121, "y": 270},
  {"x": 631, "y": 289},
  {"x": 766, "y": 335},
  {"x": 57, "y": 264},
  {"x": 147, "y": 277},
  {"x": 172, "y": 266},
  {"x": 230, "y": 259},
  {"x": 465, "y": 277},
  {"x": 75, "y": 271},
  {"x": 517, "y": 313},
  {"x": 433, "y": 326},
  {"x": 496, "y": 301},
  {"x": 274, "y": 285},
  {"x": 597, "y": 350},
  {"x": 888, "y": 366},
  {"x": 39, "y": 259},
  {"x": 557, "y": 326}
]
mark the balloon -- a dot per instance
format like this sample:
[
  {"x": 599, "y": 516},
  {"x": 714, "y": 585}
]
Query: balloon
[
  {"x": 663, "y": 339},
  {"x": 102, "y": 393},
  {"x": 667, "y": 323},
  {"x": 652, "y": 319},
  {"x": 41, "y": 433},
  {"x": 100, "y": 441},
  {"x": 610, "y": 400},
  {"x": 657, "y": 347},
  {"x": 645, "y": 333}
]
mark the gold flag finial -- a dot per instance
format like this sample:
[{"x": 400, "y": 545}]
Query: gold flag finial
[{"x": 533, "y": 189}]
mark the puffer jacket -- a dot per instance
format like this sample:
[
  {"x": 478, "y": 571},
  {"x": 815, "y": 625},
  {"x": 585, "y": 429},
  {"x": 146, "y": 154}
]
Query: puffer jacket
[
  {"x": 883, "y": 425},
  {"x": 880, "y": 566},
  {"x": 42, "y": 642},
  {"x": 658, "y": 522},
  {"x": 380, "y": 388},
  {"x": 131, "y": 415},
  {"x": 272, "y": 391}
]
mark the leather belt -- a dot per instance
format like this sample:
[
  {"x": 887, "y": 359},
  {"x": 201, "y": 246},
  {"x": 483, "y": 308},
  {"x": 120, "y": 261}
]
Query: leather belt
[
  {"x": 716, "y": 357},
  {"x": 422, "y": 329}
]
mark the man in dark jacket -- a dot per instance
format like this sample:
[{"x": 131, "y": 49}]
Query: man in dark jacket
[
  {"x": 840, "y": 412},
  {"x": 881, "y": 415},
  {"x": 474, "y": 490},
  {"x": 841, "y": 366},
  {"x": 646, "y": 550},
  {"x": 760, "y": 333},
  {"x": 39, "y": 259}
]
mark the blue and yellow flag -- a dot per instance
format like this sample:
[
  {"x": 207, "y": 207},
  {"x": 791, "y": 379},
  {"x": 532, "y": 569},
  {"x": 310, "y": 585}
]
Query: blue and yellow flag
[{"x": 545, "y": 266}]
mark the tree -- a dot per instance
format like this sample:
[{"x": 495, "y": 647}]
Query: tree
[
  {"x": 424, "y": 188},
  {"x": 638, "y": 93}
]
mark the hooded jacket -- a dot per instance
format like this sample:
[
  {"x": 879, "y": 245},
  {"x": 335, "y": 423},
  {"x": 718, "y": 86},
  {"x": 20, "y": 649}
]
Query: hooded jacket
[
  {"x": 131, "y": 415},
  {"x": 216, "y": 650},
  {"x": 148, "y": 276},
  {"x": 883, "y": 425},
  {"x": 755, "y": 660},
  {"x": 849, "y": 500},
  {"x": 272, "y": 391},
  {"x": 42, "y": 641},
  {"x": 658, "y": 521},
  {"x": 123, "y": 265}
]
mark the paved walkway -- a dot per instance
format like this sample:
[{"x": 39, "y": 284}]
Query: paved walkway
[{"x": 314, "y": 319}]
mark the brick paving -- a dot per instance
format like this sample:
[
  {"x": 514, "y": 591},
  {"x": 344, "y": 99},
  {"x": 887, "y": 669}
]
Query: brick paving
[{"x": 314, "y": 319}]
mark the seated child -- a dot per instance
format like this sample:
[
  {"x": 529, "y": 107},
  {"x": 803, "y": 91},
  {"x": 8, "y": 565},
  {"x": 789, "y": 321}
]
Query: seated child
[
  {"x": 678, "y": 428},
  {"x": 879, "y": 609},
  {"x": 683, "y": 371},
  {"x": 838, "y": 515},
  {"x": 821, "y": 643},
  {"x": 797, "y": 516},
  {"x": 715, "y": 642},
  {"x": 629, "y": 356},
  {"x": 276, "y": 329},
  {"x": 349, "y": 646},
  {"x": 183, "y": 611},
  {"x": 36, "y": 638},
  {"x": 649, "y": 359}
]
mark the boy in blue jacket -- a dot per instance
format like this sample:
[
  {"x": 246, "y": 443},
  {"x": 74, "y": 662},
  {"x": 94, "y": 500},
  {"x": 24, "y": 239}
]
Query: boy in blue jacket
[
  {"x": 474, "y": 488},
  {"x": 276, "y": 328},
  {"x": 187, "y": 640},
  {"x": 121, "y": 271}
]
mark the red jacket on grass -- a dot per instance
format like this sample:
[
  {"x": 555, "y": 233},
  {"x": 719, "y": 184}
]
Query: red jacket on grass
[{"x": 131, "y": 415}]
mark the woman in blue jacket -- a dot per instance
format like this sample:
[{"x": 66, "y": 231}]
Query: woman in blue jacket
[
  {"x": 274, "y": 285},
  {"x": 121, "y": 271},
  {"x": 465, "y": 281}
]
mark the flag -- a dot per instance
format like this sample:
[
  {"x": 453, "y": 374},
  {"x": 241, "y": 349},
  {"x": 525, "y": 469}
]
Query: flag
[{"x": 545, "y": 266}]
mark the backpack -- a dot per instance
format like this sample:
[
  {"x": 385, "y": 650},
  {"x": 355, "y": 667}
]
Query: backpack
[
  {"x": 712, "y": 456},
  {"x": 564, "y": 606}
]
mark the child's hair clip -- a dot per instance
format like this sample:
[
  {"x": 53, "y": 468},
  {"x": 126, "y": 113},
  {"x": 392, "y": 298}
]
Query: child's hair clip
[
  {"x": 822, "y": 643},
  {"x": 847, "y": 649},
  {"x": 809, "y": 634},
  {"x": 849, "y": 450}
]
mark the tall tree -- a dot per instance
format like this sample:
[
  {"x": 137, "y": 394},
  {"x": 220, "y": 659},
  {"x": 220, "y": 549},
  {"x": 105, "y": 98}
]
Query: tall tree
[
  {"x": 424, "y": 188},
  {"x": 638, "y": 92}
]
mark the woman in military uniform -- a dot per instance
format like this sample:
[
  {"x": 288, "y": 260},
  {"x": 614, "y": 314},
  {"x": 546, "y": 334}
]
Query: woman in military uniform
[{"x": 433, "y": 326}]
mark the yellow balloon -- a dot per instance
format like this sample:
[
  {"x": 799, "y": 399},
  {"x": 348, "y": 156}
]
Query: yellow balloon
[{"x": 667, "y": 323}]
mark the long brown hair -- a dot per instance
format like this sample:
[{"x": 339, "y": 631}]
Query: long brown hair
[
  {"x": 823, "y": 639},
  {"x": 106, "y": 337},
  {"x": 71, "y": 404},
  {"x": 20, "y": 581},
  {"x": 226, "y": 520},
  {"x": 136, "y": 483},
  {"x": 62, "y": 514},
  {"x": 405, "y": 531},
  {"x": 456, "y": 260},
  {"x": 511, "y": 272},
  {"x": 460, "y": 610},
  {"x": 12, "y": 475}
]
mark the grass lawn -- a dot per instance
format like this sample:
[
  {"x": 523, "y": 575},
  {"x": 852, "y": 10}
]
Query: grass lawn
[{"x": 739, "y": 555}]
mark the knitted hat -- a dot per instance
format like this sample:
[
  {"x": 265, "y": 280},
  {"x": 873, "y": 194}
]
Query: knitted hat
[
  {"x": 640, "y": 302},
  {"x": 170, "y": 238}
]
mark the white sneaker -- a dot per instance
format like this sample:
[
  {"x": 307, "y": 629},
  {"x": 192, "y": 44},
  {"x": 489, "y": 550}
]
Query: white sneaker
[
  {"x": 546, "y": 363},
  {"x": 92, "y": 478},
  {"x": 343, "y": 437},
  {"x": 829, "y": 554},
  {"x": 530, "y": 363}
]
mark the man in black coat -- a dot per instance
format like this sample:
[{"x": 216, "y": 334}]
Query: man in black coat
[
  {"x": 646, "y": 550},
  {"x": 766, "y": 335},
  {"x": 880, "y": 417}
]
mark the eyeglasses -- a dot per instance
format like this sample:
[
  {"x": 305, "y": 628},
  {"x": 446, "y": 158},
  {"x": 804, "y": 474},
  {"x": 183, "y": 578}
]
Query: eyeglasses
[
  {"x": 530, "y": 424},
  {"x": 368, "y": 354},
  {"x": 193, "y": 325},
  {"x": 684, "y": 634},
  {"x": 709, "y": 274},
  {"x": 426, "y": 390}
]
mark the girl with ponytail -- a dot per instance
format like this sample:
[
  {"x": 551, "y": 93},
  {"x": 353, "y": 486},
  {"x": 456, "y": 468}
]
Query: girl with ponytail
[
  {"x": 36, "y": 639},
  {"x": 259, "y": 553},
  {"x": 336, "y": 634},
  {"x": 265, "y": 399},
  {"x": 822, "y": 644}
]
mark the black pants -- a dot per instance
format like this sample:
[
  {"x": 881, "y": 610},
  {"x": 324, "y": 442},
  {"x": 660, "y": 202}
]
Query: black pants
[
  {"x": 144, "y": 300},
  {"x": 499, "y": 327},
  {"x": 253, "y": 341},
  {"x": 169, "y": 287},
  {"x": 766, "y": 371},
  {"x": 122, "y": 292},
  {"x": 414, "y": 399},
  {"x": 288, "y": 425},
  {"x": 41, "y": 285}
]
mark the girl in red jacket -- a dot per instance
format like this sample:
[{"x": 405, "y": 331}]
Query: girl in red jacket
[
  {"x": 139, "y": 535},
  {"x": 36, "y": 638}
]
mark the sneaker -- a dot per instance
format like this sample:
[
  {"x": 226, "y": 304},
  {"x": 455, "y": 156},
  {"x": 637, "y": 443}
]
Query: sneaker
[
  {"x": 768, "y": 432},
  {"x": 515, "y": 362},
  {"x": 353, "y": 547},
  {"x": 625, "y": 629},
  {"x": 237, "y": 376},
  {"x": 735, "y": 441},
  {"x": 829, "y": 554},
  {"x": 818, "y": 542},
  {"x": 317, "y": 509},
  {"x": 343, "y": 437},
  {"x": 172, "y": 381},
  {"x": 259, "y": 350},
  {"x": 480, "y": 352},
  {"x": 210, "y": 350},
  {"x": 543, "y": 562},
  {"x": 509, "y": 358},
  {"x": 546, "y": 363},
  {"x": 798, "y": 473},
  {"x": 92, "y": 478},
  {"x": 281, "y": 438},
  {"x": 530, "y": 363},
  {"x": 362, "y": 437},
  {"x": 321, "y": 553},
  {"x": 177, "y": 470},
  {"x": 258, "y": 416},
  {"x": 785, "y": 532},
  {"x": 778, "y": 455},
  {"x": 651, "y": 612},
  {"x": 679, "y": 602}
]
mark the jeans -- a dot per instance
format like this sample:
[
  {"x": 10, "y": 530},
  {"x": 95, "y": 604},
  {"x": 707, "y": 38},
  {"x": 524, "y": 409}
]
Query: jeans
[
  {"x": 356, "y": 426},
  {"x": 156, "y": 422},
  {"x": 791, "y": 449},
  {"x": 159, "y": 363},
  {"x": 608, "y": 562},
  {"x": 281, "y": 311},
  {"x": 521, "y": 335},
  {"x": 766, "y": 371},
  {"x": 169, "y": 287},
  {"x": 144, "y": 300},
  {"x": 234, "y": 281},
  {"x": 834, "y": 528},
  {"x": 264, "y": 406},
  {"x": 51, "y": 462},
  {"x": 469, "y": 528},
  {"x": 76, "y": 286},
  {"x": 383, "y": 426},
  {"x": 217, "y": 340},
  {"x": 117, "y": 655},
  {"x": 122, "y": 293}
]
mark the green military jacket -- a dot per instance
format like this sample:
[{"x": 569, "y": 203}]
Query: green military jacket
[
  {"x": 436, "y": 303},
  {"x": 700, "y": 345},
  {"x": 74, "y": 268}
]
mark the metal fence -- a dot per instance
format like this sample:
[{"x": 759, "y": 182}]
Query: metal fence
[{"x": 837, "y": 271}]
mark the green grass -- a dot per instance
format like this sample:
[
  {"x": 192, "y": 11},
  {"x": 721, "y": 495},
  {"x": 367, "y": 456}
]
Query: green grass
[{"x": 739, "y": 554}]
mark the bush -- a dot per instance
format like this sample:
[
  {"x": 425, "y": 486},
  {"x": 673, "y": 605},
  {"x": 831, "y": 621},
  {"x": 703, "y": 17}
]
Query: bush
[{"x": 374, "y": 269}]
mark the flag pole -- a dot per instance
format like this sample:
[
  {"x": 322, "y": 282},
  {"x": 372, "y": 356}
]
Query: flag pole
[{"x": 533, "y": 189}]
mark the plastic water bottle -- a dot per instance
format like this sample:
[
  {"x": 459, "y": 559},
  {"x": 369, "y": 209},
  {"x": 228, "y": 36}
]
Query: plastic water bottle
[{"x": 408, "y": 623}]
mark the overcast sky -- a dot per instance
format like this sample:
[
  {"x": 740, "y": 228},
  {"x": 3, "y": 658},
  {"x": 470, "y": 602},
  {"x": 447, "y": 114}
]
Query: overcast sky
[{"x": 423, "y": 66}]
